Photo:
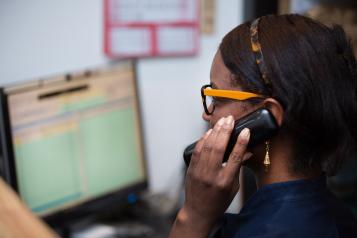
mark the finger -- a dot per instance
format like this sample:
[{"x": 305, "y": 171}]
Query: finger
[
  {"x": 210, "y": 141},
  {"x": 221, "y": 142},
  {"x": 198, "y": 149},
  {"x": 238, "y": 153},
  {"x": 236, "y": 183}
]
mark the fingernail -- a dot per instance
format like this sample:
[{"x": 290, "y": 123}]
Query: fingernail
[
  {"x": 221, "y": 121},
  {"x": 232, "y": 123},
  {"x": 229, "y": 120},
  {"x": 247, "y": 156},
  {"x": 208, "y": 133},
  {"x": 245, "y": 134}
]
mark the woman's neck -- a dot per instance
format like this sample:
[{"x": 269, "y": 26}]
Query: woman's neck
[
  {"x": 278, "y": 175},
  {"x": 280, "y": 168}
]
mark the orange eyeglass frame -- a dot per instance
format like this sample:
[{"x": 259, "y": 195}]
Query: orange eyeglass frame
[{"x": 207, "y": 90}]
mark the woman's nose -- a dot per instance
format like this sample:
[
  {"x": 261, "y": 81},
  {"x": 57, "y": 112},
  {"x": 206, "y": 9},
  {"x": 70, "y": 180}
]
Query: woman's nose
[{"x": 205, "y": 116}]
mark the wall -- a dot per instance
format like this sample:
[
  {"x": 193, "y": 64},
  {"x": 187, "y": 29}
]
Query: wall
[{"x": 40, "y": 38}]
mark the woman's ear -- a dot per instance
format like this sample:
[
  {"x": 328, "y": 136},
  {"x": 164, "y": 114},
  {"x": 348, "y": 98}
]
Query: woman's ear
[{"x": 275, "y": 108}]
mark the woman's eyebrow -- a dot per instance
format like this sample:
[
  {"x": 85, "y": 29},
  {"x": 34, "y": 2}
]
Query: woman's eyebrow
[{"x": 214, "y": 86}]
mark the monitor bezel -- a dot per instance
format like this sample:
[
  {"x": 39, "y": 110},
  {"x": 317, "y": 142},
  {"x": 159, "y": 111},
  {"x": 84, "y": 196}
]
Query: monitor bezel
[{"x": 95, "y": 206}]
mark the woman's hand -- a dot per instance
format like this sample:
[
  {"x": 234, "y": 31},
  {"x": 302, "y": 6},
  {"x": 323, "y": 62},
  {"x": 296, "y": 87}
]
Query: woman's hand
[{"x": 211, "y": 186}]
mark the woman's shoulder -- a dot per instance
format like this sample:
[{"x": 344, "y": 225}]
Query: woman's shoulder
[
  {"x": 315, "y": 214},
  {"x": 290, "y": 221}
]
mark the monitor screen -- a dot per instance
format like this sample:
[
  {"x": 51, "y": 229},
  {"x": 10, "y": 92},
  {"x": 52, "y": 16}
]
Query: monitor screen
[{"x": 75, "y": 138}]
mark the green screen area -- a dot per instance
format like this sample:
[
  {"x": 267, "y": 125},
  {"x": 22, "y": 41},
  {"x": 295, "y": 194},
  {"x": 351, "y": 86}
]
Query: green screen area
[
  {"x": 98, "y": 155},
  {"x": 109, "y": 148},
  {"x": 47, "y": 171}
]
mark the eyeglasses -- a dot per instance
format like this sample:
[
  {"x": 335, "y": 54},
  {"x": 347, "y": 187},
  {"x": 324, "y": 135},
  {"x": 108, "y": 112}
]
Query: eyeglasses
[{"x": 208, "y": 94}]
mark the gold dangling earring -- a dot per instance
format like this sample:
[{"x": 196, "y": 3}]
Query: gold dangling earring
[{"x": 267, "y": 158}]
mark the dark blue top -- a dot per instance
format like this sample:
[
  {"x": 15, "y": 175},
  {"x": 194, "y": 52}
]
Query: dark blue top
[{"x": 301, "y": 208}]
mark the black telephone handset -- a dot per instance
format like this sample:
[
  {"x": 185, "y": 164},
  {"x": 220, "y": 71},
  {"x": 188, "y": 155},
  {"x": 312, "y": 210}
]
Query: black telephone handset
[{"x": 261, "y": 123}]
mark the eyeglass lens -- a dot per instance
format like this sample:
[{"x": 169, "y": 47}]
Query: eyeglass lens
[{"x": 210, "y": 104}]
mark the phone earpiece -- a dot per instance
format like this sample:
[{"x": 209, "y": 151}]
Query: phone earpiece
[
  {"x": 275, "y": 108},
  {"x": 262, "y": 124}
]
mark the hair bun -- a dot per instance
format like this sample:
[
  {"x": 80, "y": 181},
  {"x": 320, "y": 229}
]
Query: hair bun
[{"x": 344, "y": 49}]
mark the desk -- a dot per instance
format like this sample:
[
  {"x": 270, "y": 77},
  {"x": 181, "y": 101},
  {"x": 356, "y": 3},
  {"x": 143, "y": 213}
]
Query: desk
[{"x": 137, "y": 220}]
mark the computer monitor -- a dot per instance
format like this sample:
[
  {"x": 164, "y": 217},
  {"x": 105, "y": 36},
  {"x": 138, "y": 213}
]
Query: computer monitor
[{"x": 73, "y": 144}]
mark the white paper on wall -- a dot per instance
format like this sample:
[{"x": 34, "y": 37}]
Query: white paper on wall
[{"x": 135, "y": 28}]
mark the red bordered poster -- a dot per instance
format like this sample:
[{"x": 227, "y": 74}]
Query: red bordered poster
[{"x": 145, "y": 28}]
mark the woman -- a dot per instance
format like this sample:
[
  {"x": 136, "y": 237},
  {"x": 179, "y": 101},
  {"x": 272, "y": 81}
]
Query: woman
[{"x": 304, "y": 73}]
